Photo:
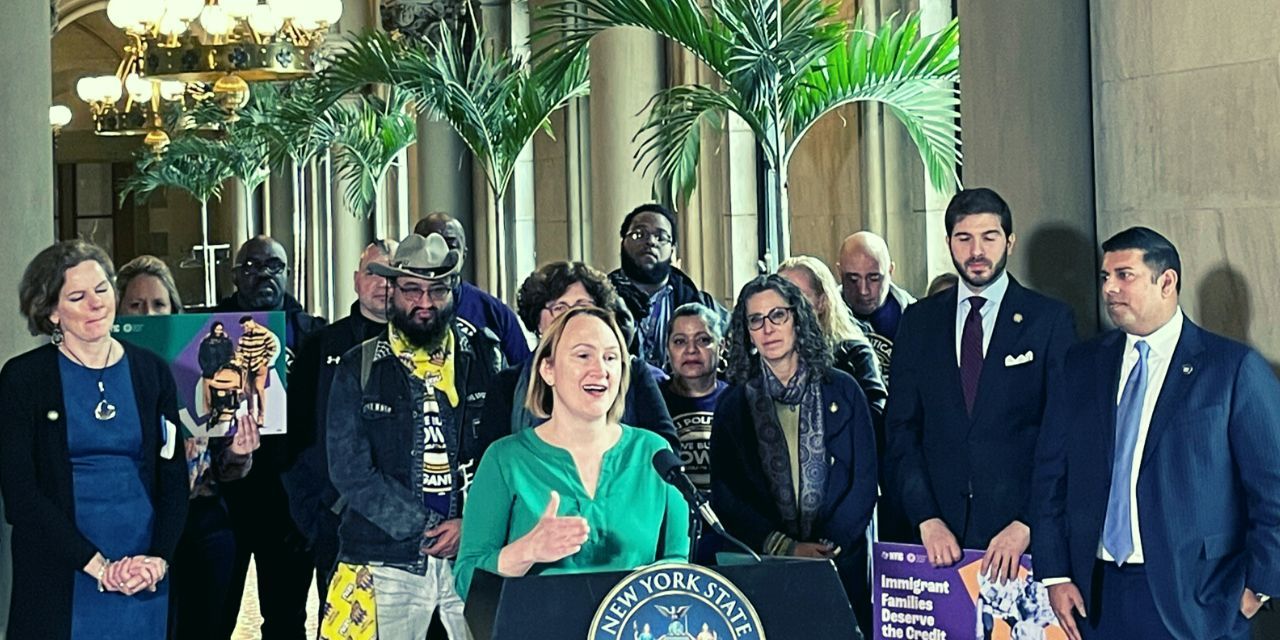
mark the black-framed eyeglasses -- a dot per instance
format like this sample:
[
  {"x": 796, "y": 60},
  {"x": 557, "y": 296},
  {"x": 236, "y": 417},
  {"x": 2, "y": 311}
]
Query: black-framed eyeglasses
[
  {"x": 273, "y": 266},
  {"x": 413, "y": 292},
  {"x": 559, "y": 307},
  {"x": 642, "y": 235},
  {"x": 777, "y": 317}
]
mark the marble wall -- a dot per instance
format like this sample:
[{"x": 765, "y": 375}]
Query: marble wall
[
  {"x": 1187, "y": 137},
  {"x": 1026, "y": 115}
]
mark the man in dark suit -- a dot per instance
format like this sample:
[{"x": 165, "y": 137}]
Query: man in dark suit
[
  {"x": 1156, "y": 485},
  {"x": 970, "y": 376}
]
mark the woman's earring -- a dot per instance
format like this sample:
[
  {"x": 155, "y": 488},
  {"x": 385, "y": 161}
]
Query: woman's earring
[
  {"x": 754, "y": 351},
  {"x": 56, "y": 336}
]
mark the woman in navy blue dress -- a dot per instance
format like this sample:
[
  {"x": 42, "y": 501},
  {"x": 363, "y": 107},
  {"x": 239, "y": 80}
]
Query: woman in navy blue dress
[{"x": 91, "y": 462}]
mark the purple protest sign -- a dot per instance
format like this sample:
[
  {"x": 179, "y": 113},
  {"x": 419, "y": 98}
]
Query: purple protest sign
[{"x": 915, "y": 601}]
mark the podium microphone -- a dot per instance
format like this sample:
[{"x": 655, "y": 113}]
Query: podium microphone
[{"x": 671, "y": 470}]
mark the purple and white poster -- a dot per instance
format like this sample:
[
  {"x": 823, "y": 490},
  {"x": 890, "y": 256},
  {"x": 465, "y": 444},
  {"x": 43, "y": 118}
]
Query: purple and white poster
[{"x": 914, "y": 600}]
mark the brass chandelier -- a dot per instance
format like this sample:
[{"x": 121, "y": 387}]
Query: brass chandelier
[
  {"x": 127, "y": 104},
  {"x": 226, "y": 43}
]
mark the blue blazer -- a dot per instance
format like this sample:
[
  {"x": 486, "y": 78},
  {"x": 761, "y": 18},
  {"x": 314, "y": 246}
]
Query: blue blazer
[
  {"x": 740, "y": 490},
  {"x": 973, "y": 472},
  {"x": 1208, "y": 482}
]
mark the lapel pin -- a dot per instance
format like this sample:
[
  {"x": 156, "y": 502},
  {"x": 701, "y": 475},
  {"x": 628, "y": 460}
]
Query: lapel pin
[
  {"x": 833, "y": 407},
  {"x": 1187, "y": 369},
  {"x": 1017, "y": 318},
  {"x": 52, "y": 416}
]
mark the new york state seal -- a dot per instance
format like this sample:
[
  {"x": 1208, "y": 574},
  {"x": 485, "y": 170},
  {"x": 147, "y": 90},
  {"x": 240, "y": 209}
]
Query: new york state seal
[{"x": 675, "y": 602}]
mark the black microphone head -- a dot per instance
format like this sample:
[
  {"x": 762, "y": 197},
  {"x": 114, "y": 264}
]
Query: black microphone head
[{"x": 665, "y": 461}]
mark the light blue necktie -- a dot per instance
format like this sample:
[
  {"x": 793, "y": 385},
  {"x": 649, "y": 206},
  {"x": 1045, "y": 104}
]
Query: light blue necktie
[{"x": 1117, "y": 532}]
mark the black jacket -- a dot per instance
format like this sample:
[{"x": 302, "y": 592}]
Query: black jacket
[
  {"x": 683, "y": 291},
  {"x": 644, "y": 409},
  {"x": 858, "y": 359},
  {"x": 740, "y": 489},
  {"x": 312, "y": 497},
  {"x": 973, "y": 472},
  {"x": 374, "y": 435},
  {"x": 258, "y": 502},
  {"x": 36, "y": 478}
]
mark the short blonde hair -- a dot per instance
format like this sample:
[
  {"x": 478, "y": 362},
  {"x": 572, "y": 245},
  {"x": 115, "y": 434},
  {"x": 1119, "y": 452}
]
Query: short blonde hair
[
  {"x": 835, "y": 318},
  {"x": 539, "y": 399}
]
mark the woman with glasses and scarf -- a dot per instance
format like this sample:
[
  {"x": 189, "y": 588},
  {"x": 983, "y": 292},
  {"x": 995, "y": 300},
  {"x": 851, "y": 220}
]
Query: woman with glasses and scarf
[{"x": 793, "y": 454}]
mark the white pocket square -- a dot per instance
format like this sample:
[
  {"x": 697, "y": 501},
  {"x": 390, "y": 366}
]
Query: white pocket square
[{"x": 1013, "y": 361}]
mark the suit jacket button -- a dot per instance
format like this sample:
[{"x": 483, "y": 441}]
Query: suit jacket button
[{"x": 52, "y": 416}]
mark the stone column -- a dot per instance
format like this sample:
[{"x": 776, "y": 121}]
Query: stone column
[
  {"x": 1036, "y": 150},
  {"x": 440, "y": 165},
  {"x": 626, "y": 71},
  {"x": 26, "y": 185}
]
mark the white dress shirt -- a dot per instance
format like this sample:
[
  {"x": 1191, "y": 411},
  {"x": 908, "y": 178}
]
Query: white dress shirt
[
  {"x": 994, "y": 294},
  {"x": 1162, "y": 342}
]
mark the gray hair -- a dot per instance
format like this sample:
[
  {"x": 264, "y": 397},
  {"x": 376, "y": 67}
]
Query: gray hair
[{"x": 708, "y": 316}]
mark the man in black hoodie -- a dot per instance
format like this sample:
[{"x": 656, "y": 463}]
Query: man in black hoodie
[
  {"x": 258, "y": 505},
  {"x": 648, "y": 283},
  {"x": 312, "y": 499}
]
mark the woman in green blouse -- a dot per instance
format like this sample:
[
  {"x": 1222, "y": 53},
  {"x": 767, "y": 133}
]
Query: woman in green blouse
[{"x": 579, "y": 492}]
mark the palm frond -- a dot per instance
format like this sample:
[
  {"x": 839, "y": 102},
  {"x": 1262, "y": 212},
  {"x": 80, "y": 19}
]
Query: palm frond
[
  {"x": 572, "y": 23},
  {"x": 191, "y": 163},
  {"x": 912, "y": 76},
  {"x": 496, "y": 102},
  {"x": 367, "y": 136},
  {"x": 671, "y": 138}
]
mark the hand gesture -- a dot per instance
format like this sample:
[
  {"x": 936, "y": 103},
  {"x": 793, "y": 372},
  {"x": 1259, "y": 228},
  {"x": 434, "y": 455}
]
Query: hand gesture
[
  {"x": 447, "y": 535},
  {"x": 940, "y": 543},
  {"x": 815, "y": 550},
  {"x": 246, "y": 439},
  {"x": 554, "y": 537},
  {"x": 1066, "y": 600},
  {"x": 1004, "y": 554}
]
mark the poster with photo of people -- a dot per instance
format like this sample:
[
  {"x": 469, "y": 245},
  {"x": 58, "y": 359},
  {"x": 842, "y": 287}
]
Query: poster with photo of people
[
  {"x": 913, "y": 599},
  {"x": 228, "y": 367}
]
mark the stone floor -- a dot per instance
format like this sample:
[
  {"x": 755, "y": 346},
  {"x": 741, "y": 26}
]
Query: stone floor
[{"x": 250, "y": 620}]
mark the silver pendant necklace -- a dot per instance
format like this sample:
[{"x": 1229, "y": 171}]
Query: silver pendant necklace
[{"x": 103, "y": 410}]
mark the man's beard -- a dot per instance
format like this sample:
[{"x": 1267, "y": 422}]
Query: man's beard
[
  {"x": 654, "y": 275},
  {"x": 996, "y": 270},
  {"x": 421, "y": 334}
]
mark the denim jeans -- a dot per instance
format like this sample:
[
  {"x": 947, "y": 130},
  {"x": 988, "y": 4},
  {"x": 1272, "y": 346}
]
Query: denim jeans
[{"x": 405, "y": 601}]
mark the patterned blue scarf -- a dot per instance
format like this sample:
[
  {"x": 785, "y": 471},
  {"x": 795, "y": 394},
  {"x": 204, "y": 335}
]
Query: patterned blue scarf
[{"x": 806, "y": 391}]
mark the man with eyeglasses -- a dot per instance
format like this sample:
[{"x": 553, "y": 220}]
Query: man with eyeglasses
[
  {"x": 866, "y": 279},
  {"x": 313, "y": 499},
  {"x": 476, "y": 308},
  {"x": 404, "y": 435},
  {"x": 648, "y": 283},
  {"x": 258, "y": 504}
]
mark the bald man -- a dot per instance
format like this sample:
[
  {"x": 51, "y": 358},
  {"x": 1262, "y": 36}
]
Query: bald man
[
  {"x": 866, "y": 277},
  {"x": 477, "y": 309},
  {"x": 311, "y": 494},
  {"x": 258, "y": 505}
]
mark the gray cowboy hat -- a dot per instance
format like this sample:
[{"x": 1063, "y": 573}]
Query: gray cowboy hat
[{"x": 419, "y": 257}]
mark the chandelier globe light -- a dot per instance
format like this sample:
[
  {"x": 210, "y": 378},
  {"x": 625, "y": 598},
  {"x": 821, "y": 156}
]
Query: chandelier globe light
[{"x": 207, "y": 40}]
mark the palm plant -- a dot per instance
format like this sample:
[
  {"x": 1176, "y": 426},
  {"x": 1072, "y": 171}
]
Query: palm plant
[
  {"x": 367, "y": 135},
  {"x": 494, "y": 100},
  {"x": 783, "y": 65}
]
